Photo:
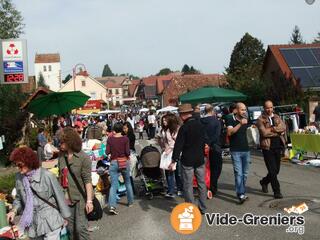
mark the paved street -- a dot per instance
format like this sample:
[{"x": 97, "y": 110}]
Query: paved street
[{"x": 150, "y": 219}]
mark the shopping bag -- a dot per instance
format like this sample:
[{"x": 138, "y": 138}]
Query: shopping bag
[
  {"x": 166, "y": 160},
  {"x": 133, "y": 164},
  {"x": 64, "y": 234},
  {"x": 253, "y": 136}
]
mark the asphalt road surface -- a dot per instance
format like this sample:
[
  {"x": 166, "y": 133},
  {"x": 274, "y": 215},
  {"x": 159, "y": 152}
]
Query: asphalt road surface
[{"x": 150, "y": 219}]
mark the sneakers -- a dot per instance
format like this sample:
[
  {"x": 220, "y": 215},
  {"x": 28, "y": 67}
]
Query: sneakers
[
  {"x": 180, "y": 194},
  {"x": 242, "y": 198},
  {"x": 169, "y": 195},
  {"x": 278, "y": 196},
  {"x": 264, "y": 187},
  {"x": 209, "y": 194},
  {"x": 113, "y": 211}
]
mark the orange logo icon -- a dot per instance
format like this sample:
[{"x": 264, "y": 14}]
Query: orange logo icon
[{"x": 186, "y": 218}]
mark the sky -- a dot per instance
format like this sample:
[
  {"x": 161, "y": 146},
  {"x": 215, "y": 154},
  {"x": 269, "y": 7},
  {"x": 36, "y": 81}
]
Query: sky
[{"x": 141, "y": 37}]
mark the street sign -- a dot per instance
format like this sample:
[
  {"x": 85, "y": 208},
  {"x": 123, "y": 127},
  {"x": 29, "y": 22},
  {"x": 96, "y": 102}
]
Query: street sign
[
  {"x": 13, "y": 61},
  {"x": 12, "y": 67}
]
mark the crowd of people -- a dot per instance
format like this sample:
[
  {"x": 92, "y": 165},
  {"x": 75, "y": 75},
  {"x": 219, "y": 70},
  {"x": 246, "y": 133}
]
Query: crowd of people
[{"x": 183, "y": 139}]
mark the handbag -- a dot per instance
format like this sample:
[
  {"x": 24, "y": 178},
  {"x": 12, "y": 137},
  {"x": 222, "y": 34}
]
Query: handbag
[
  {"x": 122, "y": 162},
  {"x": 97, "y": 212}
]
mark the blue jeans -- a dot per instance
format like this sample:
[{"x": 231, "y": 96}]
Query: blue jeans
[
  {"x": 241, "y": 162},
  {"x": 114, "y": 175},
  {"x": 170, "y": 180}
]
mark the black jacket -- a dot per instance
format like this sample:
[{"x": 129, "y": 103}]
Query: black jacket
[
  {"x": 190, "y": 143},
  {"x": 213, "y": 130}
]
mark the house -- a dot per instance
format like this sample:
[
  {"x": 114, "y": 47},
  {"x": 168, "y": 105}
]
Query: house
[
  {"x": 83, "y": 82},
  {"x": 49, "y": 66},
  {"x": 118, "y": 88},
  {"x": 150, "y": 89},
  {"x": 299, "y": 64},
  {"x": 185, "y": 83}
]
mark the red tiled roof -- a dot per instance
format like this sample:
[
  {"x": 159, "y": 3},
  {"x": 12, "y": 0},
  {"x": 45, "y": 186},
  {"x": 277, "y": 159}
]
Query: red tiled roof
[
  {"x": 163, "y": 82},
  {"x": 150, "y": 81},
  {"x": 47, "y": 58},
  {"x": 181, "y": 84},
  {"x": 116, "y": 79},
  {"x": 275, "y": 51},
  {"x": 82, "y": 73},
  {"x": 132, "y": 87},
  {"x": 112, "y": 84}
]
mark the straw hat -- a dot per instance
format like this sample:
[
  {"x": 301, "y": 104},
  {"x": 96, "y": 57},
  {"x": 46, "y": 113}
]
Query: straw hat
[{"x": 185, "y": 108}]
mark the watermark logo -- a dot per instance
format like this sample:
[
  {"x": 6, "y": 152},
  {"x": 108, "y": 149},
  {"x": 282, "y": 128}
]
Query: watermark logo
[
  {"x": 294, "y": 223},
  {"x": 186, "y": 218}
]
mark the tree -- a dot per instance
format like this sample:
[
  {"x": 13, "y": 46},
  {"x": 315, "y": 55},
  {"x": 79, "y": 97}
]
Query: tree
[
  {"x": 317, "y": 39},
  {"x": 66, "y": 79},
  {"x": 296, "y": 37},
  {"x": 244, "y": 71},
  {"x": 11, "y": 25},
  {"x": 189, "y": 70},
  {"x": 107, "y": 71},
  {"x": 185, "y": 69},
  {"x": 164, "y": 71},
  {"x": 41, "y": 81},
  {"x": 193, "y": 71},
  {"x": 11, "y": 96}
]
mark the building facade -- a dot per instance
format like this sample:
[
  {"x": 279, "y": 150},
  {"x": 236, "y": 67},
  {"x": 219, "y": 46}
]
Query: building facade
[
  {"x": 49, "y": 66},
  {"x": 86, "y": 84}
]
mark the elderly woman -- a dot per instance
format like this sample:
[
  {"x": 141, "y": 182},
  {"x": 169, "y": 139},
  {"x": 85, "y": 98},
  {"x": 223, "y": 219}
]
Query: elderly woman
[
  {"x": 80, "y": 165},
  {"x": 39, "y": 197}
]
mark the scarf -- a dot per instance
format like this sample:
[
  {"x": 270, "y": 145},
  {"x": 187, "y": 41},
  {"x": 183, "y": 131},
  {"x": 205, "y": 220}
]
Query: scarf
[{"x": 27, "y": 215}]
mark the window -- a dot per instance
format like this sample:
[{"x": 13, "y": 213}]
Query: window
[
  {"x": 49, "y": 68},
  {"x": 117, "y": 91},
  {"x": 44, "y": 68},
  {"x": 93, "y": 95},
  {"x": 110, "y": 91},
  {"x": 83, "y": 83},
  {"x": 117, "y": 103}
]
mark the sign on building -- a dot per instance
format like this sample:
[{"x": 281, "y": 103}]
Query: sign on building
[{"x": 13, "y": 61}]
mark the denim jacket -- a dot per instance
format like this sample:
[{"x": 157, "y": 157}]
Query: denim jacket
[{"x": 45, "y": 218}]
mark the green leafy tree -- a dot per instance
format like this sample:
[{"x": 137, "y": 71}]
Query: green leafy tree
[
  {"x": 244, "y": 71},
  {"x": 164, "y": 71},
  {"x": 189, "y": 70},
  {"x": 296, "y": 37},
  {"x": 11, "y": 21},
  {"x": 42, "y": 82},
  {"x": 317, "y": 39},
  {"x": 107, "y": 71},
  {"x": 11, "y": 96},
  {"x": 66, "y": 79},
  {"x": 185, "y": 69},
  {"x": 193, "y": 71}
]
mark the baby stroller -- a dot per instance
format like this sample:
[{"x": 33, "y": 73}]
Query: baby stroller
[{"x": 149, "y": 171}]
